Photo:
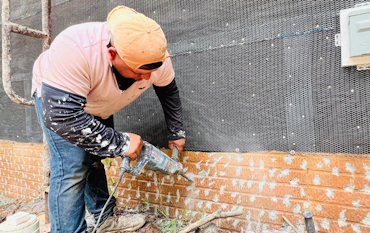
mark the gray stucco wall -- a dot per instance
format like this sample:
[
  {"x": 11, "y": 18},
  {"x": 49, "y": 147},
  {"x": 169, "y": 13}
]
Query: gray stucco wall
[{"x": 254, "y": 75}]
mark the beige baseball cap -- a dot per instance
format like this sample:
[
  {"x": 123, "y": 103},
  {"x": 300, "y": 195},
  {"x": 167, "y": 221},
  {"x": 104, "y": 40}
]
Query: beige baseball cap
[{"x": 139, "y": 40}]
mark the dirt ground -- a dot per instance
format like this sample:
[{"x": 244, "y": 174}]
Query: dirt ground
[{"x": 156, "y": 223}]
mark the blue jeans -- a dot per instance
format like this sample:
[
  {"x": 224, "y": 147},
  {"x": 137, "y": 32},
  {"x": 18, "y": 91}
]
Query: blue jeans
[{"x": 77, "y": 181}]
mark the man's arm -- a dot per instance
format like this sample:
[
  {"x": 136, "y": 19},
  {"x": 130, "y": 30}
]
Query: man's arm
[
  {"x": 170, "y": 100},
  {"x": 64, "y": 114}
]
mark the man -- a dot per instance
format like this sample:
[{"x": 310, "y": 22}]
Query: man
[{"x": 91, "y": 71}]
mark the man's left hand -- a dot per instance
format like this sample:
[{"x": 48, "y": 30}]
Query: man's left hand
[{"x": 179, "y": 143}]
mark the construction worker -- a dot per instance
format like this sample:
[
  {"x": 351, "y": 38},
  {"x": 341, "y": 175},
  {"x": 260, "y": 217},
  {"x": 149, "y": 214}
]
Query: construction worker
[{"x": 91, "y": 71}]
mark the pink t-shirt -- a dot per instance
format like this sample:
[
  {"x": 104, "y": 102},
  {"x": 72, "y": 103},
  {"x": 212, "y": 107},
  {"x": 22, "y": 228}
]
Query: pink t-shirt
[{"x": 77, "y": 62}]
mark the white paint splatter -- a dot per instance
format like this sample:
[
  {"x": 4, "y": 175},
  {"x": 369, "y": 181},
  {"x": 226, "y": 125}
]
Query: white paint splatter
[
  {"x": 286, "y": 200},
  {"x": 327, "y": 162},
  {"x": 196, "y": 192},
  {"x": 365, "y": 189},
  {"x": 208, "y": 205},
  {"x": 356, "y": 228},
  {"x": 197, "y": 165},
  {"x": 128, "y": 198},
  {"x": 316, "y": 180},
  {"x": 157, "y": 194},
  {"x": 168, "y": 198},
  {"x": 297, "y": 209},
  {"x": 272, "y": 172},
  {"x": 272, "y": 185},
  {"x": 224, "y": 206},
  {"x": 367, "y": 171},
  {"x": 342, "y": 220},
  {"x": 238, "y": 171},
  {"x": 303, "y": 165},
  {"x": 251, "y": 164},
  {"x": 252, "y": 198},
  {"x": 306, "y": 204},
  {"x": 349, "y": 188},
  {"x": 215, "y": 198},
  {"x": 200, "y": 204},
  {"x": 294, "y": 182},
  {"x": 233, "y": 194},
  {"x": 104, "y": 143},
  {"x": 274, "y": 199},
  {"x": 236, "y": 223},
  {"x": 325, "y": 224},
  {"x": 350, "y": 168},
  {"x": 239, "y": 158},
  {"x": 187, "y": 200},
  {"x": 216, "y": 160},
  {"x": 206, "y": 192},
  {"x": 288, "y": 159},
  {"x": 318, "y": 207},
  {"x": 273, "y": 215},
  {"x": 273, "y": 159},
  {"x": 319, "y": 165},
  {"x": 302, "y": 192},
  {"x": 241, "y": 183},
  {"x": 262, "y": 184},
  {"x": 98, "y": 138},
  {"x": 284, "y": 173},
  {"x": 262, "y": 164},
  {"x": 111, "y": 147},
  {"x": 222, "y": 189},
  {"x": 335, "y": 171},
  {"x": 137, "y": 193},
  {"x": 185, "y": 159},
  {"x": 222, "y": 173},
  {"x": 356, "y": 203},
  {"x": 86, "y": 131},
  {"x": 249, "y": 183},
  {"x": 366, "y": 220},
  {"x": 234, "y": 182},
  {"x": 329, "y": 193}
]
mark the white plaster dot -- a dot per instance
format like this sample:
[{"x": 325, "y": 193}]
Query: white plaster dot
[
  {"x": 325, "y": 224},
  {"x": 316, "y": 180},
  {"x": 352, "y": 90},
  {"x": 342, "y": 220}
]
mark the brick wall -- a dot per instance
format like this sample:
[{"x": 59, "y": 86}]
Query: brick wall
[
  {"x": 21, "y": 170},
  {"x": 265, "y": 186}
]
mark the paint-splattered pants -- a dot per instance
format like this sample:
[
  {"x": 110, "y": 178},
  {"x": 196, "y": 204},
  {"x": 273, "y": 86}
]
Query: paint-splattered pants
[{"x": 77, "y": 182}]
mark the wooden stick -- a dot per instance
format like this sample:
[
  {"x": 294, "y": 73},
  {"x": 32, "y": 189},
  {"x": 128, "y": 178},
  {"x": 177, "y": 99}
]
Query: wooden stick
[{"x": 208, "y": 218}]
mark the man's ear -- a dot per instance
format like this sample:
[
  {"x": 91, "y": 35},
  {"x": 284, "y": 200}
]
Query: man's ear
[{"x": 112, "y": 53}]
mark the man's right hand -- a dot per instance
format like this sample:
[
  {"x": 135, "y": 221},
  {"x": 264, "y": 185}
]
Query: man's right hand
[{"x": 136, "y": 144}]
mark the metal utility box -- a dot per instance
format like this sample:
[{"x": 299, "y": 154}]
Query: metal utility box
[{"x": 355, "y": 36}]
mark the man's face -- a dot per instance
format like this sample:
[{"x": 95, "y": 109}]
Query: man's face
[
  {"x": 127, "y": 72},
  {"x": 123, "y": 68}
]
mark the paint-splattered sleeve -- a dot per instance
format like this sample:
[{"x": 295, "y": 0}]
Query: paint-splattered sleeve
[{"x": 64, "y": 114}]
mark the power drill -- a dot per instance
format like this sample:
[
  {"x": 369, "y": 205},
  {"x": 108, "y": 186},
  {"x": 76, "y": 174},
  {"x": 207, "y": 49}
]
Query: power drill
[{"x": 153, "y": 159}]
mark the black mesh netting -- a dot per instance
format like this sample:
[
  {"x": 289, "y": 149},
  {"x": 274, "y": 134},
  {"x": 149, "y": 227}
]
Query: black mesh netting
[{"x": 254, "y": 75}]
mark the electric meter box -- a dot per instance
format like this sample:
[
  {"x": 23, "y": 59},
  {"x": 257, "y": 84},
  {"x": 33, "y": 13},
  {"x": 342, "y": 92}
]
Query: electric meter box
[{"x": 355, "y": 36}]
